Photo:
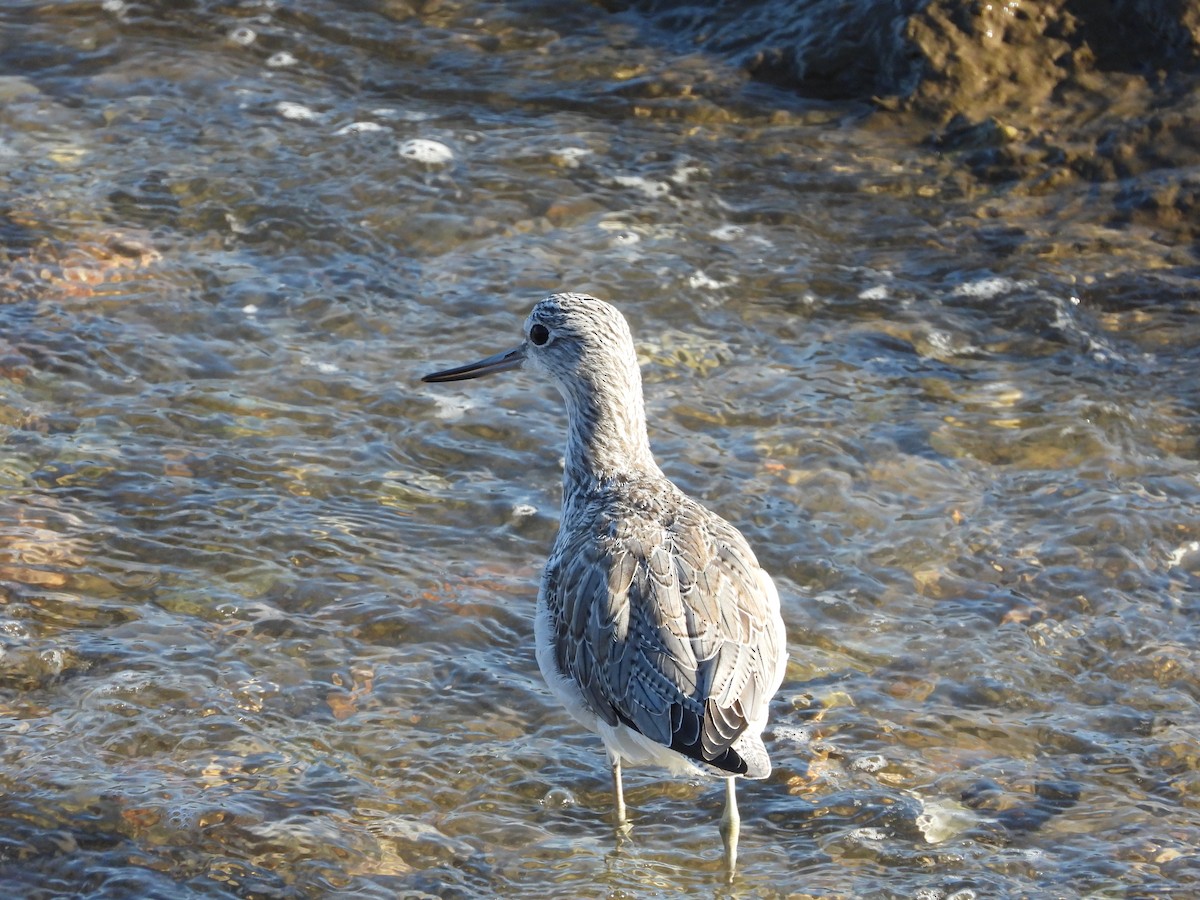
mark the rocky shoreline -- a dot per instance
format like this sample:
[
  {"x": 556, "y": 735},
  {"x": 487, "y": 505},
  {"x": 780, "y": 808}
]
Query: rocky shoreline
[{"x": 1027, "y": 96}]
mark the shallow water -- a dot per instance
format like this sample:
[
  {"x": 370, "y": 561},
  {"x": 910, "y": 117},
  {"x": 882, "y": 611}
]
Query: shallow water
[{"x": 265, "y": 600}]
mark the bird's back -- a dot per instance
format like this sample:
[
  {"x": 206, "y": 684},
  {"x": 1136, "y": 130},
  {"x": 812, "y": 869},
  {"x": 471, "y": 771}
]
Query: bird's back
[{"x": 661, "y": 617}]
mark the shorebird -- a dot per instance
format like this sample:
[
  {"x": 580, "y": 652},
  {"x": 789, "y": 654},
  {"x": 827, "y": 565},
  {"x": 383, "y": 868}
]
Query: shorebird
[{"x": 655, "y": 627}]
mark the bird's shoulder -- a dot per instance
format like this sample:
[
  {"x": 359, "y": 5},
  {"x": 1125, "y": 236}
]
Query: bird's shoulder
[{"x": 650, "y": 525}]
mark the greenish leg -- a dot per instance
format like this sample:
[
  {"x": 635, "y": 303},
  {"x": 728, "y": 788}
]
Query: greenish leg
[
  {"x": 623, "y": 825},
  {"x": 731, "y": 826}
]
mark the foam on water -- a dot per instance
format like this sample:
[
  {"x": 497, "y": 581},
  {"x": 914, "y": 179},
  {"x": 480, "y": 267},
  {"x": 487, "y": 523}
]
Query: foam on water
[
  {"x": 296, "y": 112},
  {"x": 429, "y": 152},
  {"x": 571, "y": 157},
  {"x": 243, "y": 36},
  {"x": 942, "y": 819},
  {"x": 359, "y": 128},
  {"x": 989, "y": 288},
  {"x": 281, "y": 60},
  {"x": 701, "y": 280},
  {"x": 650, "y": 187}
]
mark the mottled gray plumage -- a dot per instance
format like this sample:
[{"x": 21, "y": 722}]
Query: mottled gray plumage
[
  {"x": 656, "y": 627},
  {"x": 658, "y": 615}
]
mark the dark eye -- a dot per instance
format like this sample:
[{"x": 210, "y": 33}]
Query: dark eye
[{"x": 539, "y": 334}]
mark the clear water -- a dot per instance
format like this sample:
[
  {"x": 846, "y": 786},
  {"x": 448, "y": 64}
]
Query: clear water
[{"x": 265, "y": 600}]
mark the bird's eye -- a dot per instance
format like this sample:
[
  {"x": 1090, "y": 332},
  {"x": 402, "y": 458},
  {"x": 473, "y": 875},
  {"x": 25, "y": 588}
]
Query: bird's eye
[{"x": 539, "y": 334}]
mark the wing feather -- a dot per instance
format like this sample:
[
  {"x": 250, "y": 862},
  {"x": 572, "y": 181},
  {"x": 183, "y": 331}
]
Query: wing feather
[{"x": 664, "y": 624}]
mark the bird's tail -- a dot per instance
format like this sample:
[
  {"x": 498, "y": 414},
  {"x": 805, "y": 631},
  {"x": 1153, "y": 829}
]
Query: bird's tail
[{"x": 750, "y": 748}]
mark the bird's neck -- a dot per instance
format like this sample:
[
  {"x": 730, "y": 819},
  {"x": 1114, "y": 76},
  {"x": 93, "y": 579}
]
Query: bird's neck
[{"x": 606, "y": 438}]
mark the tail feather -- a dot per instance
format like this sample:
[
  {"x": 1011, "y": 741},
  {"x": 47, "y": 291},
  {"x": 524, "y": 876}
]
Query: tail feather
[{"x": 753, "y": 754}]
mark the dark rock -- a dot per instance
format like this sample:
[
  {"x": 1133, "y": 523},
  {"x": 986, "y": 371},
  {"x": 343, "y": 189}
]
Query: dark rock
[
  {"x": 829, "y": 49},
  {"x": 1029, "y": 97}
]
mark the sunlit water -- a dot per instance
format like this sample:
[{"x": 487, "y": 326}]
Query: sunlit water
[{"x": 265, "y": 600}]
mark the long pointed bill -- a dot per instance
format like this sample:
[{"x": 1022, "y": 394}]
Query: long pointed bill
[{"x": 509, "y": 359}]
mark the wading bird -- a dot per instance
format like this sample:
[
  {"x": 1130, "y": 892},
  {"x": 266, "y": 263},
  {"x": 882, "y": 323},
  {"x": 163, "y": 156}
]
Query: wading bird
[{"x": 655, "y": 627}]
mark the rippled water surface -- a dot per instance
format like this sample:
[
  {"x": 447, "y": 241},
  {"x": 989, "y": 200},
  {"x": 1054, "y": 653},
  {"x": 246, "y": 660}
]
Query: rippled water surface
[{"x": 266, "y": 600}]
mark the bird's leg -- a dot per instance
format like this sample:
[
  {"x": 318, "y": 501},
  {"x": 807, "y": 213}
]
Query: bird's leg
[
  {"x": 623, "y": 825},
  {"x": 731, "y": 826}
]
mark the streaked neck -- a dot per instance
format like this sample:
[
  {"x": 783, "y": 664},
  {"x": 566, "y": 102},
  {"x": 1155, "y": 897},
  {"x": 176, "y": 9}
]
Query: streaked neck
[{"x": 606, "y": 434}]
